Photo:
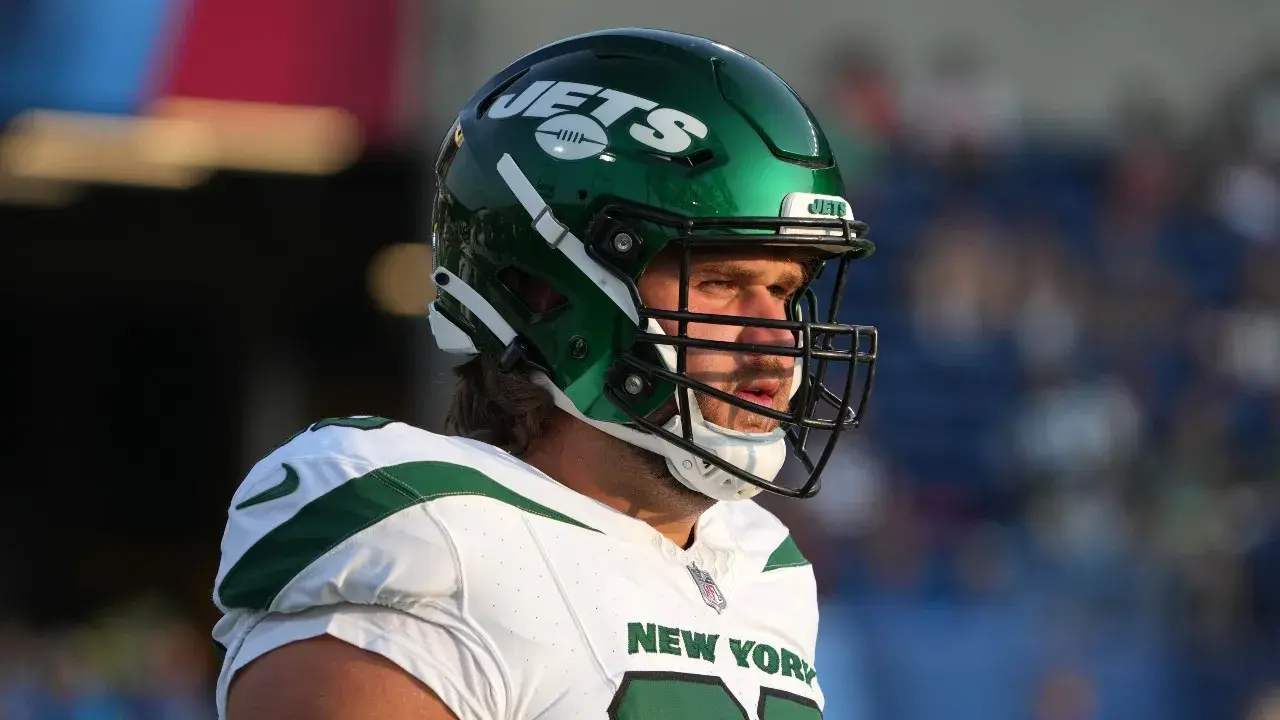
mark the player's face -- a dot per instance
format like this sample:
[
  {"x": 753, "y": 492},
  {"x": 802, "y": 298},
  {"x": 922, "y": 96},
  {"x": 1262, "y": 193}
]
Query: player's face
[{"x": 760, "y": 284}]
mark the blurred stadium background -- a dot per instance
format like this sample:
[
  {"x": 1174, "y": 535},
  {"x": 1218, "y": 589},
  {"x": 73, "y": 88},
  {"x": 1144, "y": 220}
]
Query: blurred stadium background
[{"x": 1065, "y": 506}]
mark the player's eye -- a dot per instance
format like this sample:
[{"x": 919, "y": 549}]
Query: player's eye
[
  {"x": 714, "y": 287},
  {"x": 781, "y": 292}
]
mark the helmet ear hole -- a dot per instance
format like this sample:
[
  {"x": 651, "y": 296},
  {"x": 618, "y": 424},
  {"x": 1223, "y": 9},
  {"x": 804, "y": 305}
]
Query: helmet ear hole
[{"x": 537, "y": 296}]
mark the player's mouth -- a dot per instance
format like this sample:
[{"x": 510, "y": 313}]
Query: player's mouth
[{"x": 760, "y": 392}]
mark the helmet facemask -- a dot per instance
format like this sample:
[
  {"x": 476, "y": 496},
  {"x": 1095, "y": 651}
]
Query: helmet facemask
[{"x": 833, "y": 362}]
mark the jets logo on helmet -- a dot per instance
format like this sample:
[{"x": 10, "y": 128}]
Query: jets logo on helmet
[
  {"x": 576, "y": 136},
  {"x": 572, "y": 137}
]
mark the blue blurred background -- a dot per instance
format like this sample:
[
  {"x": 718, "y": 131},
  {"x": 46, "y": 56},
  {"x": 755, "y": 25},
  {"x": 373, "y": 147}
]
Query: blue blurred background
[{"x": 1065, "y": 504}]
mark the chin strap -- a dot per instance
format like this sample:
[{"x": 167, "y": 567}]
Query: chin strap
[{"x": 754, "y": 452}]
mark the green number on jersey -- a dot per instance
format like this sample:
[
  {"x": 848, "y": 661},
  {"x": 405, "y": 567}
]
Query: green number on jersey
[
  {"x": 681, "y": 696},
  {"x": 779, "y": 705}
]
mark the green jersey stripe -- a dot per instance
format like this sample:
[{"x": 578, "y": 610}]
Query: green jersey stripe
[
  {"x": 322, "y": 524},
  {"x": 784, "y": 556}
]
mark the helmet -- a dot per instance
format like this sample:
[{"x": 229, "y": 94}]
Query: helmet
[{"x": 580, "y": 162}]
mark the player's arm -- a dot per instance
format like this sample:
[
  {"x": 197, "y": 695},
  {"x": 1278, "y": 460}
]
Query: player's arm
[{"x": 324, "y": 678}]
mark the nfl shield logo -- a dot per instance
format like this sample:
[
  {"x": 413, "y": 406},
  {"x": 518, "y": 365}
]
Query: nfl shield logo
[{"x": 707, "y": 586}]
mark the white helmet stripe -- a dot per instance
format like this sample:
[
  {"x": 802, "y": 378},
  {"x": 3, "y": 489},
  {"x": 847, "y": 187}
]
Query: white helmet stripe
[
  {"x": 558, "y": 236},
  {"x": 473, "y": 301}
]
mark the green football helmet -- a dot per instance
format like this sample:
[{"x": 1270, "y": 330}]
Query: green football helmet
[{"x": 579, "y": 163}]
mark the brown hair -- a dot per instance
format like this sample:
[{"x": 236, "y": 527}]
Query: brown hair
[{"x": 504, "y": 409}]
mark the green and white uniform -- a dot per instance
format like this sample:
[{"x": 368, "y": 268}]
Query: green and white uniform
[{"x": 506, "y": 593}]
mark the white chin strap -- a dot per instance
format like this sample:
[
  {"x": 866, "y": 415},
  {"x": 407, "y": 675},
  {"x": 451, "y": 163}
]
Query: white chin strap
[{"x": 759, "y": 453}]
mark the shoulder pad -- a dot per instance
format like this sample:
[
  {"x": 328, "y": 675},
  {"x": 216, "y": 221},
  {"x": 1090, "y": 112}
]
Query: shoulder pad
[
  {"x": 375, "y": 441},
  {"x": 321, "y": 504},
  {"x": 337, "y": 514}
]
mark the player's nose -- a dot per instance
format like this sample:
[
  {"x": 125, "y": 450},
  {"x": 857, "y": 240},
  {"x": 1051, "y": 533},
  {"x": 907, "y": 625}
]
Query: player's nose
[{"x": 766, "y": 306}]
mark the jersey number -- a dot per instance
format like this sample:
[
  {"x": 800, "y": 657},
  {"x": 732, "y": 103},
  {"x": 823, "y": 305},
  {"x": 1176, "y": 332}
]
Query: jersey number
[{"x": 681, "y": 696}]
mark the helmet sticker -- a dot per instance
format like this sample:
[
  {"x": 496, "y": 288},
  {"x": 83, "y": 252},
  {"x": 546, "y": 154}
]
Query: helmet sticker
[{"x": 576, "y": 136}]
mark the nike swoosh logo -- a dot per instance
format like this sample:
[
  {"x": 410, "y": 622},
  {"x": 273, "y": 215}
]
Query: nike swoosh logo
[{"x": 283, "y": 488}]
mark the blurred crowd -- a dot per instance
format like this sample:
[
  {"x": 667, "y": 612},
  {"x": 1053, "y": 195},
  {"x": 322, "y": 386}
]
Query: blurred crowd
[
  {"x": 1065, "y": 502},
  {"x": 137, "y": 662}
]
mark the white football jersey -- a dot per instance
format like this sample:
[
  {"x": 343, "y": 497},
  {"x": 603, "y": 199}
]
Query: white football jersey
[{"x": 506, "y": 593}]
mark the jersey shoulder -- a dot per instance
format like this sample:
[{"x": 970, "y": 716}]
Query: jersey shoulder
[
  {"x": 764, "y": 540},
  {"x": 375, "y": 442},
  {"x": 338, "y": 514},
  {"x": 779, "y": 576}
]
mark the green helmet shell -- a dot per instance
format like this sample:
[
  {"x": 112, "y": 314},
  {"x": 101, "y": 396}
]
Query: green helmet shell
[{"x": 675, "y": 123}]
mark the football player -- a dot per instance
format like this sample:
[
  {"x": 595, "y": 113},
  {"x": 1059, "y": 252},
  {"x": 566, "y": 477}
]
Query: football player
[{"x": 627, "y": 229}]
